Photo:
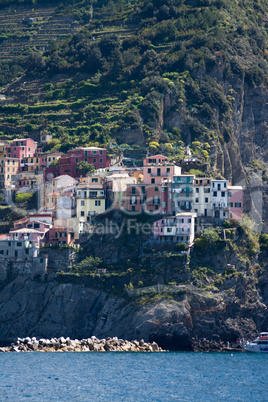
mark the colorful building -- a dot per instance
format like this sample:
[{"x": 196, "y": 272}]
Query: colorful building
[
  {"x": 58, "y": 236},
  {"x": 9, "y": 167},
  {"x": 178, "y": 228},
  {"x": 182, "y": 188},
  {"x": 201, "y": 203},
  {"x": 219, "y": 199},
  {"x": 22, "y": 148},
  {"x": 235, "y": 201},
  {"x": 157, "y": 168},
  {"x": 143, "y": 198},
  {"x": 90, "y": 199}
]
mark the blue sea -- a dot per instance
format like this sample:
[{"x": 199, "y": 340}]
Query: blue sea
[{"x": 133, "y": 376}]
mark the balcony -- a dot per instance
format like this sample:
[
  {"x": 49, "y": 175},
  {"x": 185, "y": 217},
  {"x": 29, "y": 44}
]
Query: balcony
[
  {"x": 219, "y": 207},
  {"x": 160, "y": 175},
  {"x": 153, "y": 202}
]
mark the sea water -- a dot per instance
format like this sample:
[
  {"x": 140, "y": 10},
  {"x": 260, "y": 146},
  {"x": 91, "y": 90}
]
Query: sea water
[{"x": 115, "y": 376}]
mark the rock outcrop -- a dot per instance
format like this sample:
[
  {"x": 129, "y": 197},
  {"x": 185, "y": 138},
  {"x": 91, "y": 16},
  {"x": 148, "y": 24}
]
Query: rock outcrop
[{"x": 92, "y": 344}]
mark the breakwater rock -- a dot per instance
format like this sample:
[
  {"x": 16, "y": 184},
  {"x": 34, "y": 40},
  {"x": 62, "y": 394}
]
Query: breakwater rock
[{"x": 92, "y": 344}]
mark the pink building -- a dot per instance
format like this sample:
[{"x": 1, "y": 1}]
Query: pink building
[
  {"x": 68, "y": 163},
  {"x": 143, "y": 198},
  {"x": 22, "y": 148},
  {"x": 235, "y": 201},
  {"x": 58, "y": 236},
  {"x": 157, "y": 168},
  {"x": 26, "y": 223},
  {"x": 178, "y": 228},
  {"x": 33, "y": 235}
]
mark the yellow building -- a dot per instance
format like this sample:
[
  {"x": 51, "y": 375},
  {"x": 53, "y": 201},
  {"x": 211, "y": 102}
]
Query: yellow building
[
  {"x": 3, "y": 149},
  {"x": 9, "y": 167},
  {"x": 90, "y": 199}
]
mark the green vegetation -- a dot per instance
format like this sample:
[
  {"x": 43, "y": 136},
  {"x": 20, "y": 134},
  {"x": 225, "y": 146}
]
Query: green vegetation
[
  {"x": 22, "y": 198},
  {"x": 87, "y": 265},
  {"x": 208, "y": 241},
  {"x": 106, "y": 75}
]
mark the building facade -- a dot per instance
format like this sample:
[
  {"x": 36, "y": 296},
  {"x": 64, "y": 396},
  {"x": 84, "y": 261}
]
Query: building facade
[{"x": 178, "y": 228}]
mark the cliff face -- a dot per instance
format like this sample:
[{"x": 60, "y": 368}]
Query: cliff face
[
  {"x": 53, "y": 309},
  {"x": 242, "y": 156}
]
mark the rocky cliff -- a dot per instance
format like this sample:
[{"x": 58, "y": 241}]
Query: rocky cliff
[{"x": 69, "y": 307}]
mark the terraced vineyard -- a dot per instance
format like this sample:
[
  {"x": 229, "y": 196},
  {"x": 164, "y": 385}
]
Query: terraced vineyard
[{"x": 19, "y": 33}]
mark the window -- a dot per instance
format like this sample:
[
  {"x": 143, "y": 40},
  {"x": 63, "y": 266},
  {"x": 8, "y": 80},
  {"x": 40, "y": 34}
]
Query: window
[
  {"x": 94, "y": 152},
  {"x": 101, "y": 152},
  {"x": 36, "y": 225},
  {"x": 143, "y": 190},
  {"x": 224, "y": 185},
  {"x": 94, "y": 180},
  {"x": 169, "y": 230},
  {"x": 229, "y": 194},
  {"x": 133, "y": 208},
  {"x": 16, "y": 253},
  {"x": 206, "y": 200},
  {"x": 97, "y": 203},
  {"x": 156, "y": 200},
  {"x": 237, "y": 204},
  {"x": 94, "y": 160},
  {"x": 168, "y": 170},
  {"x": 230, "y": 204},
  {"x": 152, "y": 181},
  {"x": 100, "y": 160},
  {"x": 133, "y": 190},
  {"x": 197, "y": 200},
  {"x": 149, "y": 170},
  {"x": 189, "y": 220},
  {"x": 156, "y": 188},
  {"x": 181, "y": 220},
  {"x": 214, "y": 193},
  {"x": 197, "y": 190},
  {"x": 223, "y": 193},
  {"x": 76, "y": 160},
  {"x": 82, "y": 213},
  {"x": 82, "y": 203},
  {"x": 19, "y": 243},
  {"x": 133, "y": 200}
]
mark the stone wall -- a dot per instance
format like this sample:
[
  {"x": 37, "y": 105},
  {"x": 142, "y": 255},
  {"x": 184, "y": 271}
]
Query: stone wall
[
  {"x": 12, "y": 267},
  {"x": 59, "y": 259}
]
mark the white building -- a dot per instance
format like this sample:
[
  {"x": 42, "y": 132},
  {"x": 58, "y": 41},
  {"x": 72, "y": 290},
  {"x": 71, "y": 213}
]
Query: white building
[
  {"x": 202, "y": 197},
  {"x": 219, "y": 199}
]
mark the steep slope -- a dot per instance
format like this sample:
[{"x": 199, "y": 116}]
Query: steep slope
[{"x": 152, "y": 74}]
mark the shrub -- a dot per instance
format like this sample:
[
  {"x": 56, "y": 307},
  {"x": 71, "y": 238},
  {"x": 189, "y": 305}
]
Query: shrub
[
  {"x": 87, "y": 265},
  {"x": 181, "y": 247},
  {"x": 208, "y": 240},
  {"x": 23, "y": 197}
]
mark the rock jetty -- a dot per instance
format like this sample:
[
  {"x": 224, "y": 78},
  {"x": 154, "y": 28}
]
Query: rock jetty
[{"x": 92, "y": 344}]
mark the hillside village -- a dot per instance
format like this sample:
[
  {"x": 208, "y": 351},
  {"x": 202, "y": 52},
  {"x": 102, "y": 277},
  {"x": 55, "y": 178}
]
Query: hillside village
[{"x": 74, "y": 188}]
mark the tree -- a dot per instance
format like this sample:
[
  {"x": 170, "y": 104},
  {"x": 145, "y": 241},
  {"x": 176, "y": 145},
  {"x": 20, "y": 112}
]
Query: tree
[
  {"x": 35, "y": 62},
  {"x": 87, "y": 265},
  {"x": 84, "y": 168},
  {"x": 23, "y": 197},
  {"x": 208, "y": 240}
]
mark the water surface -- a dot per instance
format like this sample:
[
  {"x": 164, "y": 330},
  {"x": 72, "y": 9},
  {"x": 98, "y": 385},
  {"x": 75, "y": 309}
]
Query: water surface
[{"x": 133, "y": 376}]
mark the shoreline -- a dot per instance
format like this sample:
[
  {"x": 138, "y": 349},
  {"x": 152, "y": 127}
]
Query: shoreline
[
  {"x": 109, "y": 344},
  {"x": 92, "y": 344}
]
